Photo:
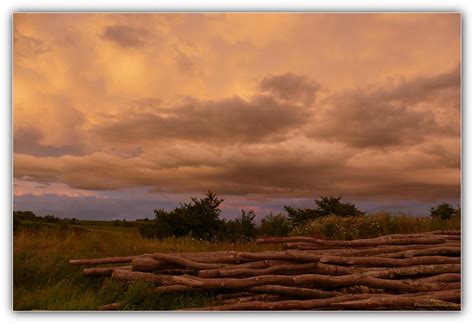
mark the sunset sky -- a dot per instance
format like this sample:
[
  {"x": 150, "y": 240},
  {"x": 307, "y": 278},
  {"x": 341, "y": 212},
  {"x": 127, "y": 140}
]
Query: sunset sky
[{"x": 118, "y": 114}]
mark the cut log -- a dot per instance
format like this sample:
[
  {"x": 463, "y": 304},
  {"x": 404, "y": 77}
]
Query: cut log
[
  {"x": 439, "y": 250},
  {"x": 174, "y": 289},
  {"x": 88, "y": 262},
  {"x": 148, "y": 264},
  {"x": 384, "y": 240},
  {"x": 398, "y": 303},
  {"x": 388, "y": 262},
  {"x": 419, "y": 270},
  {"x": 111, "y": 307},
  {"x": 445, "y": 277},
  {"x": 102, "y": 272},
  {"x": 294, "y": 291},
  {"x": 322, "y": 281},
  {"x": 125, "y": 275},
  {"x": 186, "y": 263}
]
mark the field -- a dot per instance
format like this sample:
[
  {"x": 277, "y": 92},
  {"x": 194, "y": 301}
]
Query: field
[{"x": 43, "y": 279}]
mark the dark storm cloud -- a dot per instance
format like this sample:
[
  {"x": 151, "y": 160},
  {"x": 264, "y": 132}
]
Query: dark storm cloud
[
  {"x": 27, "y": 141},
  {"x": 291, "y": 87},
  {"x": 231, "y": 120},
  {"x": 387, "y": 117},
  {"x": 125, "y": 36}
]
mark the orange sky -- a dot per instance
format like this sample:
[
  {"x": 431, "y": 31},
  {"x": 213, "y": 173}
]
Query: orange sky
[{"x": 253, "y": 106}]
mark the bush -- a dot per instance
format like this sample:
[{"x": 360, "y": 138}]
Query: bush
[
  {"x": 443, "y": 211},
  {"x": 275, "y": 225},
  {"x": 198, "y": 219},
  {"x": 325, "y": 206},
  {"x": 368, "y": 226}
]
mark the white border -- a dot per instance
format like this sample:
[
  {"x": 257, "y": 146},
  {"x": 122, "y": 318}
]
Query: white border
[{"x": 9, "y": 6}]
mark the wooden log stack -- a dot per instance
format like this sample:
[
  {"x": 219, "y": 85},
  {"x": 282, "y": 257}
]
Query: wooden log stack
[{"x": 393, "y": 272}]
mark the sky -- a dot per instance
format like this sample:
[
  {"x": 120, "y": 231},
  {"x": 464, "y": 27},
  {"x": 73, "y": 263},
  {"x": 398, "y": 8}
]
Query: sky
[{"x": 115, "y": 115}]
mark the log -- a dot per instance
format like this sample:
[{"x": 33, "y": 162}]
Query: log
[
  {"x": 174, "y": 289},
  {"x": 419, "y": 270},
  {"x": 285, "y": 304},
  {"x": 186, "y": 263},
  {"x": 383, "y": 240},
  {"x": 348, "y": 302},
  {"x": 323, "y": 281},
  {"x": 88, "y": 262},
  {"x": 388, "y": 262},
  {"x": 294, "y": 291},
  {"x": 280, "y": 269},
  {"x": 126, "y": 275},
  {"x": 439, "y": 250},
  {"x": 102, "y": 272},
  {"x": 398, "y": 303},
  {"x": 111, "y": 307},
  {"x": 148, "y": 264},
  {"x": 379, "y": 251},
  {"x": 255, "y": 297},
  {"x": 445, "y": 277}
]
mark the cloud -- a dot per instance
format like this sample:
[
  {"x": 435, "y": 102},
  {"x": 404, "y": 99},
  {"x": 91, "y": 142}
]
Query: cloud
[
  {"x": 291, "y": 87},
  {"x": 404, "y": 114},
  {"x": 125, "y": 36},
  {"x": 27, "y": 141},
  {"x": 229, "y": 120}
]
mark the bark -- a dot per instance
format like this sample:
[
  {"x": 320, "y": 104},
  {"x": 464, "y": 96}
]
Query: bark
[
  {"x": 102, "y": 272},
  {"x": 419, "y": 270},
  {"x": 445, "y": 277},
  {"x": 255, "y": 297},
  {"x": 186, "y": 263},
  {"x": 322, "y": 281},
  {"x": 355, "y": 301},
  {"x": 174, "y": 289},
  {"x": 399, "y": 303},
  {"x": 111, "y": 307},
  {"x": 294, "y": 291},
  {"x": 439, "y": 250},
  {"x": 125, "y": 275},
  {"x": 87, "y": 262},
  {"x": 388, "y": 262},
  {"x": 148, "y": 264},
  {"x": 278, "y": 269},
  {"x": 383, "y": 240}
]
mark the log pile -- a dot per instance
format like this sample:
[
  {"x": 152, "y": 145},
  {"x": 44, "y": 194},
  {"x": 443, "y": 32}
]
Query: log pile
[{"x": 393, "y": 272}]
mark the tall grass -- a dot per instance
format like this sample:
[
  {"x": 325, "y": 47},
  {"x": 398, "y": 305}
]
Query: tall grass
[
  {"x": 44, "y": 280},
  {"x": 367, "y": 226}
]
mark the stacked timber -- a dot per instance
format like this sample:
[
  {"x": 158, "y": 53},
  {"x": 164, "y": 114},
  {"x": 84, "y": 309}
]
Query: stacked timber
[{"x": 393, "y": 272}]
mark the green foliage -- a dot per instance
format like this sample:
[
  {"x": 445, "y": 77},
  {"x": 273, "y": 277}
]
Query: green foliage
[
  {"x": 298, "y": 216},
  {"x": 325, "y": 206},
  {"x": 443, "y": 211},
  {"x": 198, "y": 218},
  {"x": 367, "y": 226},
  {"x": 334, "y": 206},
  {"x": 242, "y": 229},
  {"x": 275, "y": 225}
]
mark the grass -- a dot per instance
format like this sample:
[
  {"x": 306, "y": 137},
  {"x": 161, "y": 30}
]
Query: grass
[
  {"x": 43, "y": 279},
  {"x": 360, "y": 227}
]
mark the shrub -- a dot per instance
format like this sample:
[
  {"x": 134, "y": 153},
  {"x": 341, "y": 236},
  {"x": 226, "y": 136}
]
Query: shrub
[
  {"x": 367, "y": 226},
  {"x": 325, "y": 206},
  {"x": 198, "y": 218},
  {"x": 275, "y": 225},
  {"x": 443, "y": 211}
]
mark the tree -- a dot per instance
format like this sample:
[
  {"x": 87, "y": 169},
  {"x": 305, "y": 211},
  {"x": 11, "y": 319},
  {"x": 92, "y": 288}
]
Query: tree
[
  {"x": 334, "y": 206},
  {"x": 442, "y": 211},
  {"x": 198, "y": 218},
  {"x": 275, "y": 225},
  {"x": 299, "y": 216}
]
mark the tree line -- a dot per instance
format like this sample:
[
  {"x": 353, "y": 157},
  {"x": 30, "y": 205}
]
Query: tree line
[{"x": 200, "y": 219}]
